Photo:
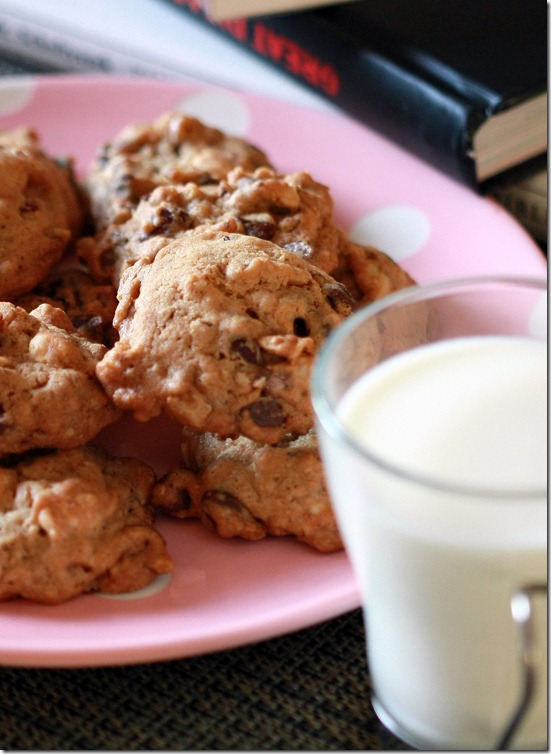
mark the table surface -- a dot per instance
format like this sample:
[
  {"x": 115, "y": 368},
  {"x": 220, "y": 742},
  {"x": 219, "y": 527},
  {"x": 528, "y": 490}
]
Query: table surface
[{"x": 309, "y": 690}]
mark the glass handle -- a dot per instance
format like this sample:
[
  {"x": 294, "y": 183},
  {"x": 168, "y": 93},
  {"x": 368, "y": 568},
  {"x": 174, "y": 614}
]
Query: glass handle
[{"x": 521, "y": 610}]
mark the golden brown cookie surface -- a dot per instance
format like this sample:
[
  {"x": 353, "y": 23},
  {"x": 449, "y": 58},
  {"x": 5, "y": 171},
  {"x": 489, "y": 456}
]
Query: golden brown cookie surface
[
  {"x": 173, "y": 149},
  {"x": 220, "y": 331},
  {"x": 40, "y": 212},
  {"x": 293, "y": 211},
  {"x": 76, "y": 520},
  {"x": 368, "y": 273},
  {"x": 245, "y": 489},
  {"x": 49, "y": 394},
  {"x": 89, "y": 305}
]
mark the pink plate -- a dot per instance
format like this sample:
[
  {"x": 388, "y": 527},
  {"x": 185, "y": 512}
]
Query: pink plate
[{"x": 227, "y": 593}]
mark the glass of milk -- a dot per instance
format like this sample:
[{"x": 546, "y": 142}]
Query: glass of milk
[{"x": 431, "y": 415}]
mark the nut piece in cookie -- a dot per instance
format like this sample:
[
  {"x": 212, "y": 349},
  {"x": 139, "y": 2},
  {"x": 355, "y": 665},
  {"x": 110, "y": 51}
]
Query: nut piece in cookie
[
  {"x": 173, "y": 149},
  {"x": 241, "y": 488},
  {"x": 220, "y": 331},
  {"x": 293, "y": 211},
  {"x": 40, "y": 213},
  {"x": 49, "y": 394},
  {"x": 75, "y": 521}
]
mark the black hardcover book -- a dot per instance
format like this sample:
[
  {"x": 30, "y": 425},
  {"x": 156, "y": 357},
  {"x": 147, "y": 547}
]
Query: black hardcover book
[{"x": 460, "y": 83}]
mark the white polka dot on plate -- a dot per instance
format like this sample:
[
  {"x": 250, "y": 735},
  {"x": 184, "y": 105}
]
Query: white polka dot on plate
[
  {"x": 15, "y": 94},
  {"x": 156, "y": 586},
  {"x": 219, "y": 109},
  {"x": 397, "y": 229}
]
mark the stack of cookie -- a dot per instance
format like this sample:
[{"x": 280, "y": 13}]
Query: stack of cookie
[
  {"x": 207, "y": 283},
  {"x": 72, "y": 518},
  {"x": 230, "y": 275}
]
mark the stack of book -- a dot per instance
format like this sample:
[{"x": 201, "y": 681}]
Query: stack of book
[{"x": 460, "y": 83}]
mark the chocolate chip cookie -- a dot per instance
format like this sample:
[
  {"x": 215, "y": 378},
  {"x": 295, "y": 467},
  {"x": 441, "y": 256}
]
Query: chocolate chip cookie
[
  {"x": 220, "y": 330},
  {"x": 368, "y": 273},
  {"x": 245, "y": 489},
  {"x": 89, "y": 305},
  {"x": 49, "y": 394},
  {"x": 41, "y": 212},
  {"x": 293, "y": 211},
  {"x": 173, "y": 149},
  {"x": 74, "y": 521}
]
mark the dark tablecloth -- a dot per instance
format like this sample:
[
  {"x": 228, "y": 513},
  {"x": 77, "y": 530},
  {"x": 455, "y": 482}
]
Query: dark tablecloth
[{"x": 306, "y": 691}]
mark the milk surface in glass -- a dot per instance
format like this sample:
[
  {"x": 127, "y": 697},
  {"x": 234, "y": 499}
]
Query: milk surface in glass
[{"x": 439, "y": 561}]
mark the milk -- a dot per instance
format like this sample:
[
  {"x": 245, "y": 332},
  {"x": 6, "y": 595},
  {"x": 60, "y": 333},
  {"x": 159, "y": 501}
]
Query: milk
[
  {"x": 468, "y": 410},
  {"x": 440, "y": 509}
]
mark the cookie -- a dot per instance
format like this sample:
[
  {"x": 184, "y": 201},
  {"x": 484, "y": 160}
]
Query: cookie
[
  {"x": 40, "y": 212},
  {"x": 368, "y": 273},
  {"x": 75, "y": 521},
  {"x": 220, "y": 331},
  {"x": 173, "y": 149},
  {"x": 62, "y": 168},
  {"x": 49, "y": 394},
  {"x": 293, "y": 211},
  {"x": 245, "y": 489},
  {"x": 89, "y": 305}
]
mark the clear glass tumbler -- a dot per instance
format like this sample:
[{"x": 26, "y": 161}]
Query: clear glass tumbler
[{"x": 431, "y": 416}]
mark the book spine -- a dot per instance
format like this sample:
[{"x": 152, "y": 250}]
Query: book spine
[{"x": 434, "y": 125}]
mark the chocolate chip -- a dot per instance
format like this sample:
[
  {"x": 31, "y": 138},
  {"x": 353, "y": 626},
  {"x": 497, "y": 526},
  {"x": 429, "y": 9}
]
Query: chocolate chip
[
  {"x": 219, "y": 497},
  {"x": 246, "y": 350},
  {"x": 300, "y": 327},
  {"x": 168, "y": 220},
  {"x": 338, "y": 297},
  {"x": 29, "y": 207},
  {"x": 205, "y": 179},
  {"x": 266, "y": 413},
  {"x": 259, "y": 228}
]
